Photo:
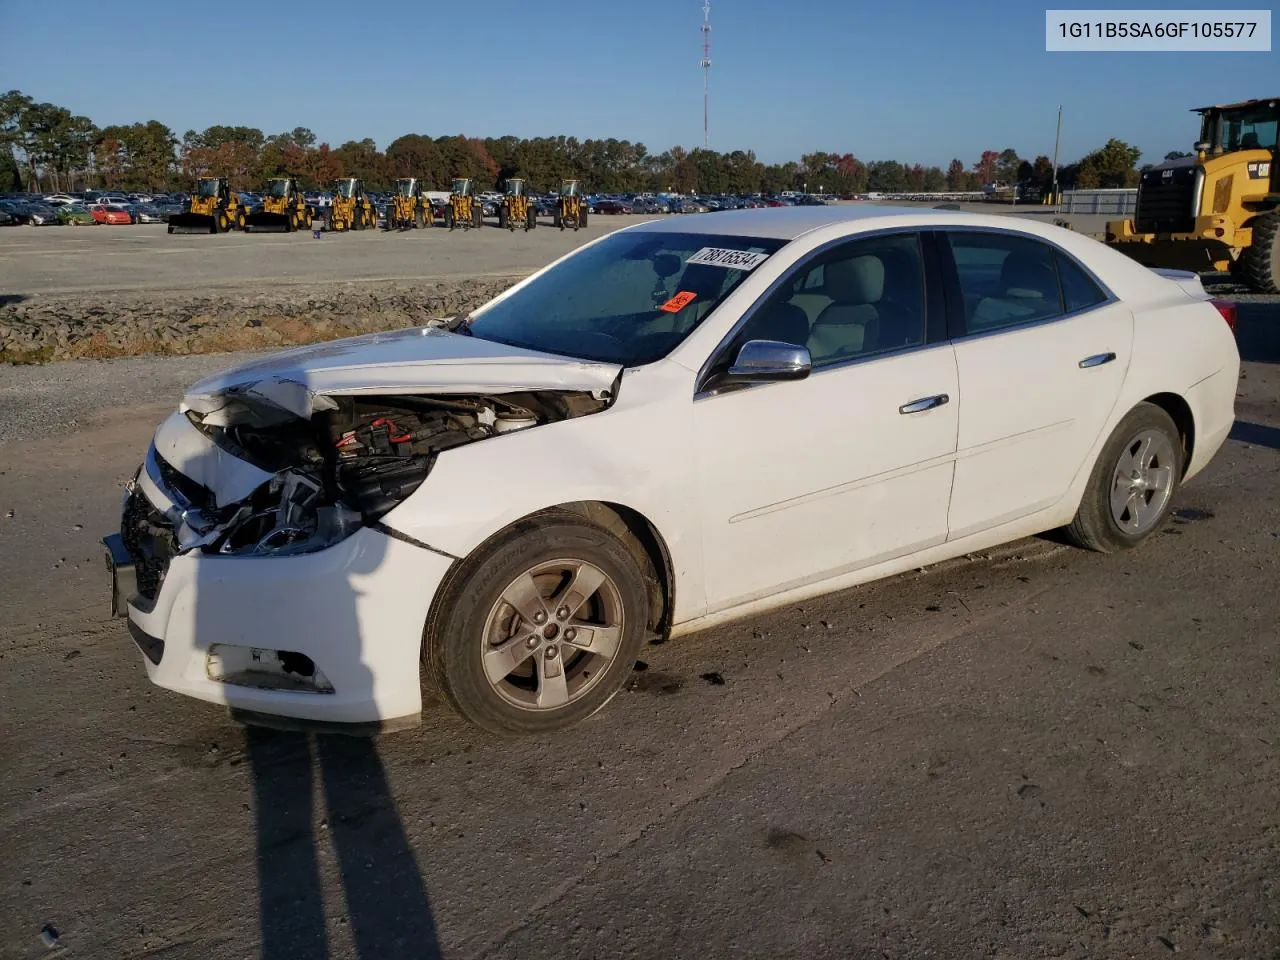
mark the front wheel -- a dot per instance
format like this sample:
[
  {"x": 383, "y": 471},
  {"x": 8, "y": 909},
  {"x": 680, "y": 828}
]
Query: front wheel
[
  {"x": 540, "y": 628},
  {"x": 1131, "y": 487}
]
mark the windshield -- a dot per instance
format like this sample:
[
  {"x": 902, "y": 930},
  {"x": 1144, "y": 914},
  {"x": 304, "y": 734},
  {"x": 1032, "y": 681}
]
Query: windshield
[
  {"x": 629, "y": 299},
  {"x": 515, "y": 188},
  {"x": 279, "y": 188},
  {"x": 208, "y": 188},
  {"x": 461, "y": 187},
  {"x": 569, "y": 189},
  {"x": 1250, "y": 129},
  {"x": 344, "y": 188},
  {"x": 405, "y": 187}
]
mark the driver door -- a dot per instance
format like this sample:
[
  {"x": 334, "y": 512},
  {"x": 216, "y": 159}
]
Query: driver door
[{"x": 805, "y": 480}]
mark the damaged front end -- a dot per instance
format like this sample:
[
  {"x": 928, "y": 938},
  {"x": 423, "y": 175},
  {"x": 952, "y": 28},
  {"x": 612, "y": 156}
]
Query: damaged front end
[{"x": 272, "y": 469}]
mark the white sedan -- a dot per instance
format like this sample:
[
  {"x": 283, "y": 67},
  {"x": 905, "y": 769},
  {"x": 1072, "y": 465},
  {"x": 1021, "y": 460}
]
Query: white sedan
[{"x": 680, "y": 424}]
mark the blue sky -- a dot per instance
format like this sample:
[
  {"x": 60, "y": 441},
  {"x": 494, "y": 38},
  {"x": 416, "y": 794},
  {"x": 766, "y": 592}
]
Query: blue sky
[{"x": 912, "y": 80}]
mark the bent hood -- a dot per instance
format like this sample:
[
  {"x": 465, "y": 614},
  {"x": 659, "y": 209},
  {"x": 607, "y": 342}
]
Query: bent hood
[{"x": 421, "y": 360}]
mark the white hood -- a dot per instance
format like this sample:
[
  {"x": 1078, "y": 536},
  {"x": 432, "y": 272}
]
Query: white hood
[{"x": 422, "y": 360}]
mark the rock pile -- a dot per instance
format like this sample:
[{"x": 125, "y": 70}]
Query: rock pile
[{"x": 118, "y": 324}]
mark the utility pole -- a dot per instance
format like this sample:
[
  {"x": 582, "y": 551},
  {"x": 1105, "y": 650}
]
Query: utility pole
[
  {"x": 706, "y": 72},
  {"x": 1056, "y": 139}
]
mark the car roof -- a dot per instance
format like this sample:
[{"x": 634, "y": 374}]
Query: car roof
[{"x": 788, "y": 223}]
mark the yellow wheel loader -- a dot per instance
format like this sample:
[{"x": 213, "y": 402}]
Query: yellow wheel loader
[
  {"x": 571, "y": 210},
  {"x": 213, "y": 208},
  {"x": 516, "y": 210},
  {"x": 408, "y": 208},
  {"x": 1219, "y": 209},
  {"x": 351, "y": 209},
  {"x": 283, "y": 210},
  {"x": 464, "y": 210}
]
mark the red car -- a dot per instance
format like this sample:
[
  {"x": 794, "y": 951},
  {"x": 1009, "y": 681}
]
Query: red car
[{"x": 110, "y": 213}]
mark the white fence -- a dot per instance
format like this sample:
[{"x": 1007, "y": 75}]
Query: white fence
[{"x": 1118, "y": 202}]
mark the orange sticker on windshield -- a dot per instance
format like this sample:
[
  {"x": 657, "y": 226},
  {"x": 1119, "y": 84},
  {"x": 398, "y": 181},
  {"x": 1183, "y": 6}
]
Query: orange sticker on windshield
[{"x": 679, "y": 302}]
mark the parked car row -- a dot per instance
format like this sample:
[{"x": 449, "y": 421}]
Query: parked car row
[{"x": 91, "y": 207}]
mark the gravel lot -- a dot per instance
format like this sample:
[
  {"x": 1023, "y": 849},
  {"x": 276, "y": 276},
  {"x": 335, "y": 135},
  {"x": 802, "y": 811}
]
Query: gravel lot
[{"x": 1034, "y": 752}]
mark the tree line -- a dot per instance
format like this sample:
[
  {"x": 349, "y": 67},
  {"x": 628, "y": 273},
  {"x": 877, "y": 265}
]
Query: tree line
[{"x": 45, "y": 147}]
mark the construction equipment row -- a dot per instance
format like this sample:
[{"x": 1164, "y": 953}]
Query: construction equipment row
[{"x": 214, "y": 208}]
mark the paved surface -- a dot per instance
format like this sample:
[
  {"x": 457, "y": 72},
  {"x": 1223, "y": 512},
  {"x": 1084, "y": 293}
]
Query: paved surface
[
  {"x": 145, "y": 257},
  {"x": 1035, "y": 752}
]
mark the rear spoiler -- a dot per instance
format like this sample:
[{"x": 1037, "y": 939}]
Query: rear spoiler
[{"x": 1188, "y": 281}]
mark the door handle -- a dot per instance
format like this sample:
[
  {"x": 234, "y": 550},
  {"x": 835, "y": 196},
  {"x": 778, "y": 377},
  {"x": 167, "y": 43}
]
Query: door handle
[
  {"x": 924, "y": 403},
  {"x": 1097, "y": 360}
]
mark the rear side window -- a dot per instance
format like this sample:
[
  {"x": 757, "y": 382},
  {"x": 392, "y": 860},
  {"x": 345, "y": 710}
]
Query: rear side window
[
  {"x": 1006, "y": 280},
  {"x": 1078, "y": 291}
]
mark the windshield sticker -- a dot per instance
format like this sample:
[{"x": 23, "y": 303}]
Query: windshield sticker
[
  {"x": 678, "y": 302},
  {"x": 729, "y": 259}
]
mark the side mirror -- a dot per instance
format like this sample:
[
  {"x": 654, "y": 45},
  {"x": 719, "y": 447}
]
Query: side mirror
[{"x": 767, "y": 361}]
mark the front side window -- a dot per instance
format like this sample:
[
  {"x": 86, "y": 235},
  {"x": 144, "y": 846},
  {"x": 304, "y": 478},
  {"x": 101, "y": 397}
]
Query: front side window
[
  {"x": 630, "y": 298},
  {"x": 1250, "y": 129},
  {"x": 1005, "y": 280},
  {"x": 859, "y": 299}
]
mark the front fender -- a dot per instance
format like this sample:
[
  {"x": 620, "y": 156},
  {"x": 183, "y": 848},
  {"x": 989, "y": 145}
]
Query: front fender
[{"x": 637, "y": 454}]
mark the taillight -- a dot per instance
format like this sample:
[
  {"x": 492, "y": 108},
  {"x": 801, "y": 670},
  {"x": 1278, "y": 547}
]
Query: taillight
[{"x": 1228, "y": 311}]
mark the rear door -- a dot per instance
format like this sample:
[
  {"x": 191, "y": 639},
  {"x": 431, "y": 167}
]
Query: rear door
[{"x": 1042, "y": 349}]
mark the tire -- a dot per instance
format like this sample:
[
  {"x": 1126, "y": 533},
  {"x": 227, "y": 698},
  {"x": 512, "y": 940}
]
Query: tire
[
  {"x": 473, "y": 616},
  {"x": 477, "y": 216},
  {"x": 1260, "y": 261},
  {"x": 582, "y": 217},
  {"x": 531, "y": 219},
  {"x": 557, "y": 220},
  {"x": 419, "y": 221},
  {"x": 171, "y": 228},
  {"x": 1096, "y": 525},
  {"x": 504, "y": 221},
  {"x": 448, "y": 217}
]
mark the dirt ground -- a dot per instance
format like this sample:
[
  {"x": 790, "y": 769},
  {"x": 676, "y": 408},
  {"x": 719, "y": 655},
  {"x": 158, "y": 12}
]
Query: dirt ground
[{"x": 1033, "y": 752}]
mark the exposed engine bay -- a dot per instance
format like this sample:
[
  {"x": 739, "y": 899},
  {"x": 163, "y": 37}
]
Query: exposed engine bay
[{"x": 346, "y": 466}]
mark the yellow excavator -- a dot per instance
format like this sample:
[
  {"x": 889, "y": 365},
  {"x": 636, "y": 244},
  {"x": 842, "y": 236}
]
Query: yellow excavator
[
  {"x": 408, "y": 208},
  {"x": 516, "y": 210},
  {"x": 1218, "y": 209},
  {"x": 351, "y": 209},
  {"x": 213, "y": 208},
  {"x": 571, "y": 210},
  {"x": 464, "y": 209},
  {"x": 282, "y": 209}
]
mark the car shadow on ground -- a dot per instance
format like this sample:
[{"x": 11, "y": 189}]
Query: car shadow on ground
[
  {"x": 386, "y": 900},
  {"x": 1258, "y": 331},
  {"x": 1257, "y": 434}
]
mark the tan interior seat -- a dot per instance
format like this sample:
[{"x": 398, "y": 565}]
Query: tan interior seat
[{"x": 849, "y": 326}]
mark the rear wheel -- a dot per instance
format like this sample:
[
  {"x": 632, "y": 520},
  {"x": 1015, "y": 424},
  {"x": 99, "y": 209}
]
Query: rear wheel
[
  {"x": 504, "y": 221},
  {"x": 1260, "y": 261},
  {"x": 448, "y": 217},
  {"x": 531, "y": 219},
  {"x": 419, "y": 220},
  {"x": 1131, "y": 487},
  {"x": 582, "y": 217},
  {"x": 477, "y": 215},
  {"x": 540, "y": 628}
]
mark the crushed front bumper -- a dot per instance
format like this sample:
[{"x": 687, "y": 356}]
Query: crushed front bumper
[{"x": 234, "y": 629}]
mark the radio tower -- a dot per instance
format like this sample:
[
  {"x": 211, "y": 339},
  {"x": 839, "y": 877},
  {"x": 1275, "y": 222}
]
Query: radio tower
[{"x": 706, "y": 71}]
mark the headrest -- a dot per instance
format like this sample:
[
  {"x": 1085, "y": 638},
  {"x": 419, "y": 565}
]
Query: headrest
[
  {"x": 856, "y": 281},
  {"x": 1027, "y": 276}
]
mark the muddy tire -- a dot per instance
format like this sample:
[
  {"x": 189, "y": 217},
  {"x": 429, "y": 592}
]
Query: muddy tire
[
  {"x": 539, "y": 628},
  {"x": 1260, "y": 261},
  {"x": 1131, "y": 487}
]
